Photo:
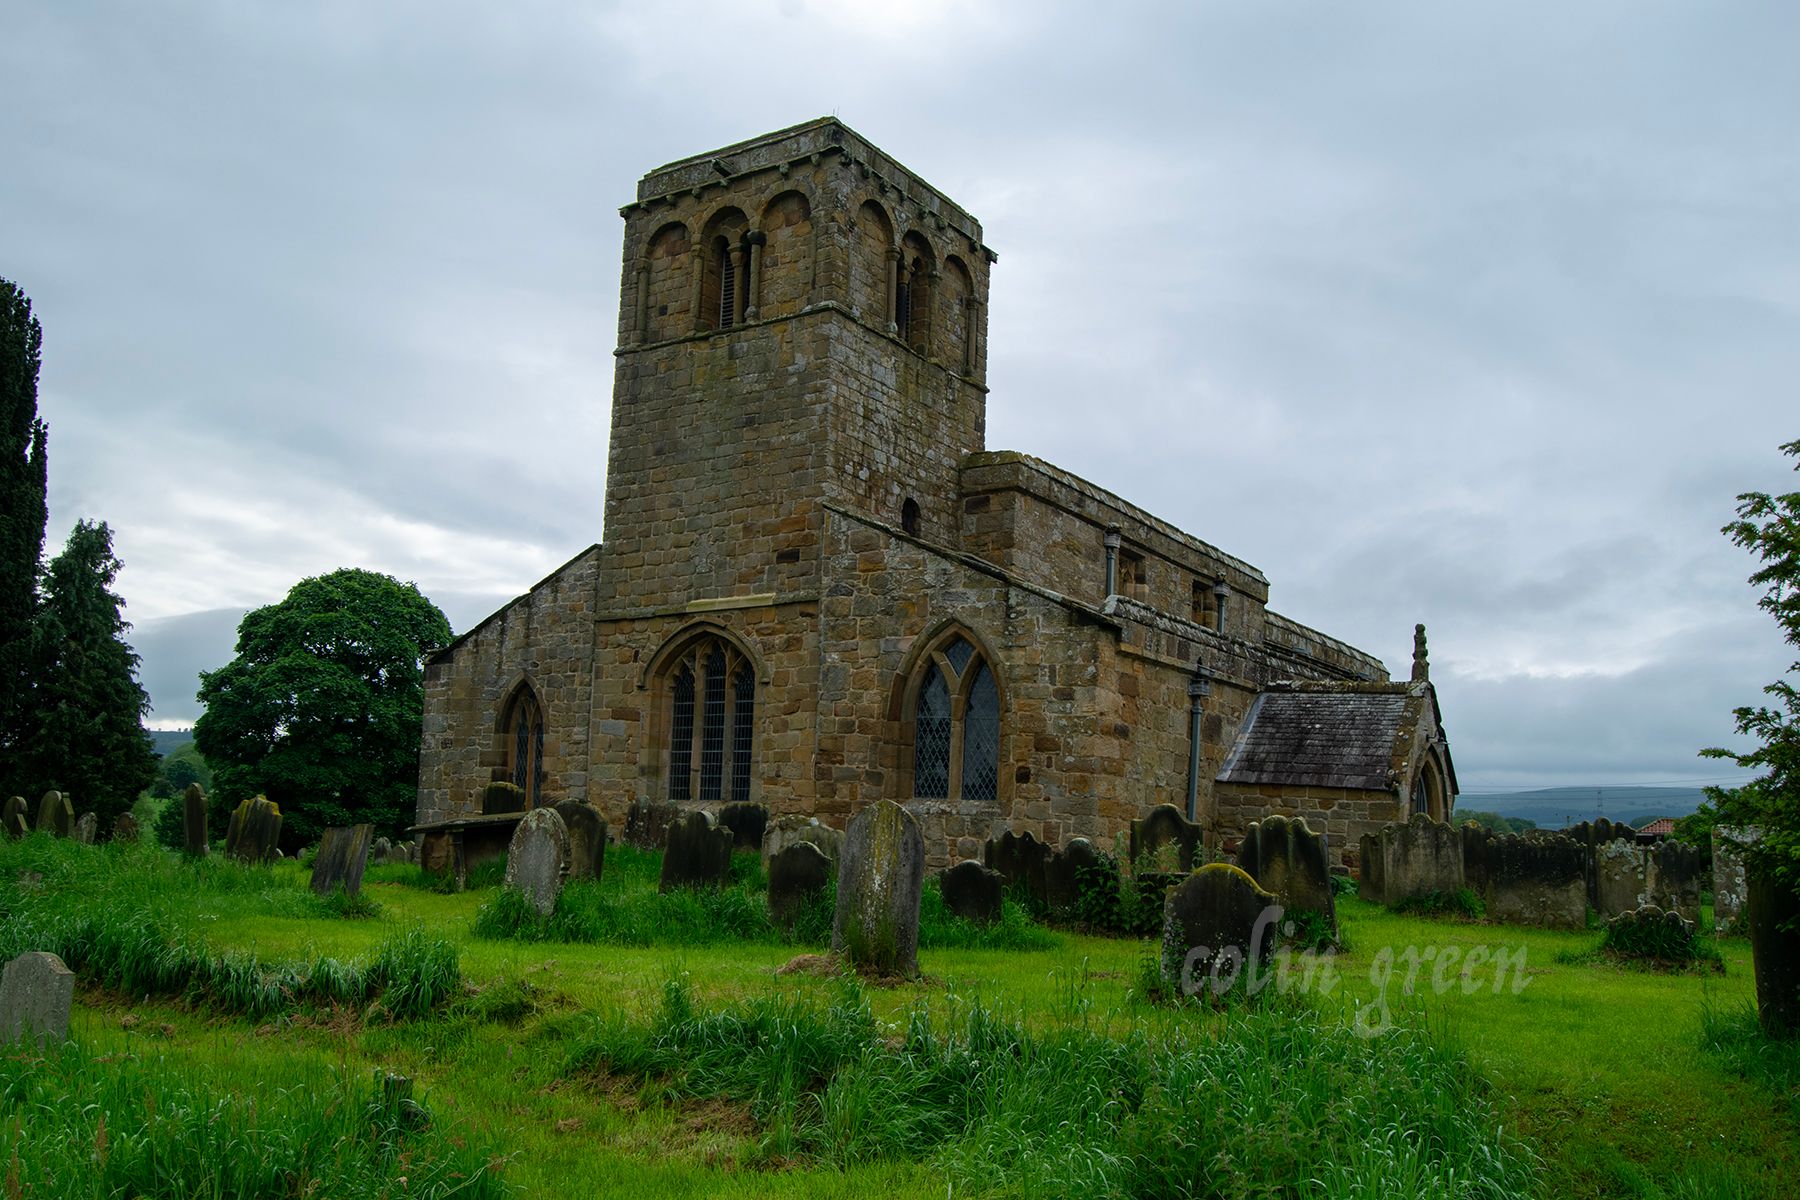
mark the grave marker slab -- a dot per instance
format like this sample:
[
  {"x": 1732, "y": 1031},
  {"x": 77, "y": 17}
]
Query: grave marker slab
[
  {"x": 747, "y": 823},
  {"x": 880, "y": 876},
  {"x": 193, "y": 822},
  {"x": 56, "y": 816},
  {"x": 36, "y": 990},
  {"x": 13, "y": 817},
  {"x": 1219, "y": 912},
  {"x": 587, "y": 838},
  {"x": 697, "y": 854},
  {"x": 796, "y": 874},
  {"x": 537, "y": 859},
  {"x": 973, "y": 892},
  {"x": 343, "y": 854},
  {"x": 254, "y": 829}
]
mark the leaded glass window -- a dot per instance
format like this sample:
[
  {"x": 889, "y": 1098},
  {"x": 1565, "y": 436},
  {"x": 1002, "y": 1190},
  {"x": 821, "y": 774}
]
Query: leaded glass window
[
  {"x": 711, "y": 722},
  {"x": 525, "y": 746},
  {"x": 956, "y": 726},
  {"x": 742, "y": 725},
  {"x": 712, "y": 736},
  {"x": 981, "y": 739},
  {"x": 931, "y": 741},
  {"x": 681, "y": 737}
]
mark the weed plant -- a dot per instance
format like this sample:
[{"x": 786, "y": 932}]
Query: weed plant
[
  {"x": 133, "y": 1124},
  {"x": 1462, "y": 904},
  {"x": 1735, "y": 1035},
  {"x": 1270, "y": 1100},
  {"x": 1669, "y": 942}
]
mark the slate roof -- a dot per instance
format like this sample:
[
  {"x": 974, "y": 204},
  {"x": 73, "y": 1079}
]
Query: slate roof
[{"x": 1326, "y": 738}]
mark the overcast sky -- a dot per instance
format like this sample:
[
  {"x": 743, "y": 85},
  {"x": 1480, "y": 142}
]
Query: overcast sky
[{"x": 1476, "y": 315}]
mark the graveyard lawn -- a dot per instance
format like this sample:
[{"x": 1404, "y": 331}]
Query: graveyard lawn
[{"x": 1599, "y": 1068}]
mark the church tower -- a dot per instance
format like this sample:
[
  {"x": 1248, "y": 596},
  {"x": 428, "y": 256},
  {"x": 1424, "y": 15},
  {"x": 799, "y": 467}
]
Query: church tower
[{"x": 801, "y": 324}]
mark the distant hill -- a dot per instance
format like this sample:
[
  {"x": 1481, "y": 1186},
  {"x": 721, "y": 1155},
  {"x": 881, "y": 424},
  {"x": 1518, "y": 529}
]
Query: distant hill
[
  {"x": 1554, "y": 808},
  {"x": 167, "y": 741}
]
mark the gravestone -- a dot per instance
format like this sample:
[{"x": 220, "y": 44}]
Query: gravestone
[
  {"x": 1651, "y": 932},
  {"x": 880, "y": 876},
  {"x": 381, "y": 849},
  {"x": 1621, "y": 877},
  {"x": 254, "y": 829},
  {"x": 1538, "y": 879},
  {"x": 193, "y": 821},
  {"x": 1730, "y": 885},
  {"x": 797, "y": 873},
  {"x": 36, "y": 990},
  {"x": 500, "y": 797},
  {"x": 13, "y": 818},
  {"x": 697, "y": 854},
  {"x": 1593, "y": 835},
  {"x": 343, "y": 854},
  {"x": 587, "y": 838},
  {"x": 1067, "y": 871},
  {"x": 1411, "y": 858},
  {"x": 1676, "y": 871},
  {"x": 537, "y": 859},
  {"x": 1217, "y": 911},
  {"x": 1166, "y": 826},
  {"x": 56, "y": 816},
  {"x": 647, "y": 823},
  {"x": 747, "y": 823},
  {"x": 973, "y": 892},
  {"x": 783, "y": 832},
  {"x": 125, "y": 828},
  {"x": 87, "y": 829},
  {"x": 1287, "y": 858},
  {"x": 1019, "y": 857}
]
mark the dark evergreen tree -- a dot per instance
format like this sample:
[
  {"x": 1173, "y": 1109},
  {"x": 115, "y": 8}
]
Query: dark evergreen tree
[
  {"x": 22, "y": 515},
  {"x": 87, "y": 706},
  {"x": 321, "y": 708}
]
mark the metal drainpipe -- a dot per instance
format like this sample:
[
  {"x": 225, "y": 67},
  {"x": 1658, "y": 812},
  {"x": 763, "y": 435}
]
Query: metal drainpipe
[
  {"x": 1112, "y": 560},
  {"x": 1221, "y": 593},
  {"x": 1198, "y": 686}
]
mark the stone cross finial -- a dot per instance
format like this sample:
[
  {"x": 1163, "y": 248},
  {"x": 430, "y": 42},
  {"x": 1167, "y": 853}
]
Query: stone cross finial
[{"x": 1421, "y": 671}]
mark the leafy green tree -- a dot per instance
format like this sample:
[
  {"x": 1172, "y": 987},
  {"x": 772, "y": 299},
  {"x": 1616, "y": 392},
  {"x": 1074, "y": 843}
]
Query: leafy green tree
[
  {"x": 321, "y": 708},
  {"x": 22, "y": 516},
  {"x": 178, "y": 768},
  {"x": 88, "y": 707}
]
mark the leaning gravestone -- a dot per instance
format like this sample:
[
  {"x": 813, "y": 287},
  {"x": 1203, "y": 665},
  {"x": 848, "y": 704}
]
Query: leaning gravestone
[
  {"x": 537, "y": 860},
  {"x": 747, "y": 823},
  {"x": 13, "y": 818},
  {"x": 1287, "y": 858},
  {"x": 381, "y": 849},
  {"x": 796, "y": 875},
  {"x": 343, "y": 854},
  {"x": 1067, "y": 871},
  {"x": 698, "y": 853},
  {"x": 193, "y": 821},
  {"x": 1165, "y": 826},
  {"x": 36, "y": 990},
  {"x": 56, "y": 816},
  {"x": 254, "y": 829},
  {"x": 973, "y": 892},
  {"x": 647, "y": 823},
  {"x": 1411, "y": 858},
  {"x": 125, "y": 828},
  {"x": 1019, "y": 857},
  {"x": 880, "y": 876},
  {"x": 587, "y": 838},
  {"x": 87, "y": 829},
  {"x": 1730, "y": 885},
  {"x": 1217, "y": 911}
]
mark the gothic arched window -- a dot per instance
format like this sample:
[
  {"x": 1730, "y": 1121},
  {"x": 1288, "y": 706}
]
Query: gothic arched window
[
  {"x": 956, "y": 726},
  {"x": 712, "y": 722},
  {"x": 523, "y": 737}
]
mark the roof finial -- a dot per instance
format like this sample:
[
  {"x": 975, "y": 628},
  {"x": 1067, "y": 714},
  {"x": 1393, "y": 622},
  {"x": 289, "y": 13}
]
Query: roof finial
[{"x": 1421, "y": 667}]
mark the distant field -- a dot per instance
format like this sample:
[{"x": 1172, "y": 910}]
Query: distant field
[{"x": 1552, "y": 808}]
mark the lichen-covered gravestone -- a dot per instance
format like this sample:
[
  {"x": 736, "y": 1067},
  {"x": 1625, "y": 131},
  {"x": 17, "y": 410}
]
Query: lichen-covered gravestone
[
  {"x": 36, "y": 990},
  {"x": 1287, "y": 858},
  {"x": 193, "y": 821},
  {"x": 254, "y": 829},
  {"x": 1166, "y": 826},
  {"x": 697, "y": 854},
  {"x": 13, "y": 818},
  {"x": 1220, "y": 920},
  {"x": 880, "y": 876},
  {"x": 86, "y": 829},
  {"x": 587, "y": 838},
  {"x": 747, "y": 823},
  {"x": 343, "y": 854},
  {"x": 125, "y": 828},
  {"x": 537, "y": 860},
  {"x": 501, "y": 797},
  {"x": 972, "y": 892},
  {"x": 798, "y": 873},
  {"x": 1539, "y": 879},
  {"x": 1411, "y": 858},
  {"x": 1621, "y": 877},
  {"x": 1731, "y": 886},
  {"x": 647, "y": 823},
  {"x": 56, "y": 815},
  {"x": 783, "y": 832}
]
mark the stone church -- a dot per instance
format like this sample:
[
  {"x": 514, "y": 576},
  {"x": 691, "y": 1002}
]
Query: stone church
[{"x": 818, "y": 586}]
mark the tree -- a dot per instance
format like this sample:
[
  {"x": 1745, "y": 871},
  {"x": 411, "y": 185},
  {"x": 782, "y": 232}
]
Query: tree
[
  {"x": 22, "y": 515},
  {"x": 178, "y": 768},
  {"x": 321, "y": 708},
  {"x": 87, "y": 706}
]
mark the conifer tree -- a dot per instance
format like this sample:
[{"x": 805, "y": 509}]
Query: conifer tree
[{"x": 22, "y": 515}]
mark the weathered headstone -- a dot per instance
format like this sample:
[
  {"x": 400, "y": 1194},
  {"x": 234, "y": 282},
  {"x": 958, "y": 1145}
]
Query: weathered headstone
[
  {"x": 1411, "y": 858},
  {"x": 697, "y": 854},
  {"x": 880, "y": 876},
  {"x": 502, "y": 797},
  {"x": 193, "y": 821},
  {"x": 1651, "y": 932},
  {"x": 125, "y": 828},
  {"x": 1287, "y": 858},
  {"x": 1621, "y": 877},
  {"x": 56, "y": 816},
  {"x": 1220, "y": 919},
  {"x": 796, "y": 874},
  {"x": 87, "y": 828},
  {"x": 13, "y": 817},
  {"x": 1730, "y": 885},
  {"x": 1019, "y": 857},
  {"x": 1067, "y": 871},
  {"x": 1539, "y": 879},
  {"x": 1166, "y": 825},
  {"x": 1592, "y": 835},
  {"x": 1676, "y": 871},
  {"x": 783, "y": 832},
  {"x": 537, "y": 860},
  {"x": 973, "y": 892},
  {"x": 343, "y": 854},
  {"x": 36, "y": 990},
  {"x": 381, "y": 849},
  {"x": 587, "y": 838},
  {"x": 254, "y": 830},
  {"x": 747, "y": 823},
  {"x": 647, "y": 823}
]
